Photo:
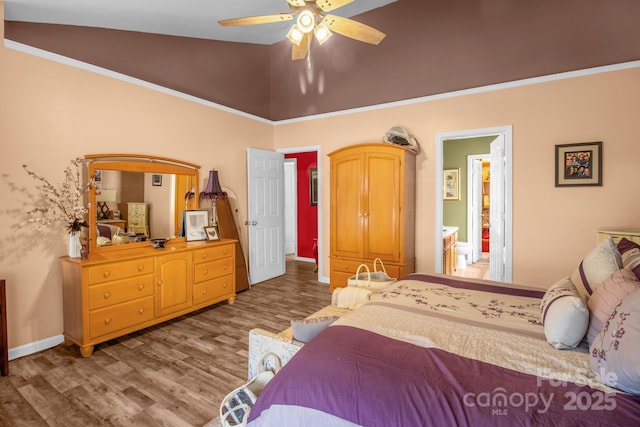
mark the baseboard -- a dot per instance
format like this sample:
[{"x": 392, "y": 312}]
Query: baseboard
[{"x": 34, "y": 347}]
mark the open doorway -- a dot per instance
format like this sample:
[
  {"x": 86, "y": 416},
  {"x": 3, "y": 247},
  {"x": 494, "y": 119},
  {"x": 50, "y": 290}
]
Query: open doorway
[
  {"x": 302, "y": 205},
  {"x": 455, "y": 210}
]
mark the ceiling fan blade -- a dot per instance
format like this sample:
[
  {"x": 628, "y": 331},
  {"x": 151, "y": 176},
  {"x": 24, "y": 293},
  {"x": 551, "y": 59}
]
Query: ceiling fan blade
[
  {"x": 353, "y": 29},
  {"x": 301, "y": 50},
  {"x": 253, "y": 20},
  {"x": 329, "y": 5},
  {"x": 296, "y": 3}
]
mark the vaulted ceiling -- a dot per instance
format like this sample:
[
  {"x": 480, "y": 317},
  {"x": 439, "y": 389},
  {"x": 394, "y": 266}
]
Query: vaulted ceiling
[{"x": 432, "y": 47}]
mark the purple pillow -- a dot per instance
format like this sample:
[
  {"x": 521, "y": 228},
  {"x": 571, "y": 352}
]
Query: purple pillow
[
  {"x": 614, "y": 352},
  {"x": 630, "y": 252},
  {"x": 104, "y": 231}
]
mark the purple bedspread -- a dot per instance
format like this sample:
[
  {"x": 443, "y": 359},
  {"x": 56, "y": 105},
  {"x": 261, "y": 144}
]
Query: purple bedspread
[{"x": 371, "y": 380}]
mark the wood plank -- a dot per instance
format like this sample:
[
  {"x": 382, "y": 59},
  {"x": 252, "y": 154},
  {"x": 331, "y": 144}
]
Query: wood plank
[{"x": 172, "y": 374}]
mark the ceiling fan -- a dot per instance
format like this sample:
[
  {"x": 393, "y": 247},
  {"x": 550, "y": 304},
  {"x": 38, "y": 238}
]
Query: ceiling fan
[{"x": 310, "y": 19}]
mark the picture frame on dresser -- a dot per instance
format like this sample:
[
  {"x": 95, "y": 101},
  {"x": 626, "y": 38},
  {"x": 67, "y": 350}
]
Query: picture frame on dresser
[
  {"x": 579, "y": 165},
  {"x": 212, "y": 233},
  {"x": 195, "y": 223}
]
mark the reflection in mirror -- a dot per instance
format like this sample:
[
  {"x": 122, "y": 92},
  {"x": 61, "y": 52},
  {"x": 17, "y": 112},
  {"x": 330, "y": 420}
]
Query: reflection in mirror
[
  {"x": 137, "y": 198},
  {"x": 135, "y": 206}
]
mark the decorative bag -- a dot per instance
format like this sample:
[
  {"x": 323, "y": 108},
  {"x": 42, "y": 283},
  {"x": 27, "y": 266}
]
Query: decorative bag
[
  {"x": 376, "y": 281},
  {"x": 236, "y": 406}
]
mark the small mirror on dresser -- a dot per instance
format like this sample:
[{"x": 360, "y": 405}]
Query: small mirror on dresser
[{"x": 135, "y": 198}]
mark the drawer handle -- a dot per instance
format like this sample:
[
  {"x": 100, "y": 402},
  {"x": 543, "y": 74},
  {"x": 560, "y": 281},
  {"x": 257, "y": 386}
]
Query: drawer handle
[
  {"x": 204, "y": 292},
  {"x": 107, "y": 295},
  {"x": 224, "y": 251},
  {"x": 140, "y": 267},
  {"x": 205, "y": 272},
  {"x": 226, "y": 266},
  {"x": 141, "y": 311},
  {"x": 204, "y": 256},
  {"x": 224, "y": 285},
  {"x": 140, "y": 287},
  {"x": 106, "y": 274},
  {"x": 159, "y": 282},
  {"x": 107, "y": 321}
]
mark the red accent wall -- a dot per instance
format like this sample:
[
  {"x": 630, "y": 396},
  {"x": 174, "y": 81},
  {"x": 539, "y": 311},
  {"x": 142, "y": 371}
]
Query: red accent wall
[{"x": 307, "y": 214}]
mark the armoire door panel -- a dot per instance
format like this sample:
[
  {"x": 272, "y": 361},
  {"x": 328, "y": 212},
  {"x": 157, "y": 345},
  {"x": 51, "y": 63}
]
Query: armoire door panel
[
  {"x": 382, "y": 218},
  {"x": 346, "y": 234}
]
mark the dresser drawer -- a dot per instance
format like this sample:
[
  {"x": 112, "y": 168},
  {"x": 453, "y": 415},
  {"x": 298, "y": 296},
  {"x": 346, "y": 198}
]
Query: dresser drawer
[
  {"x": 120, "y": 270},
  {"x": 215, "y": 288},
  {"x": 215, "y": 252},
  {"x": 118, "y": 291},
  {"x": 114, "y": 318},
  {"x": 212, "y": 269}
]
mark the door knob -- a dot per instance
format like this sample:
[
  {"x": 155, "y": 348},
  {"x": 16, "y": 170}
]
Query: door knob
[{"x": 251, "y": 223}]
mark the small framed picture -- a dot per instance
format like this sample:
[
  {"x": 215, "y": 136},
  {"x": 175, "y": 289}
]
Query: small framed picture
[
  {"x": 156, "y": 180},
  {"x": 212, "y": 233},
  {"x": 313, "y": 186},
  {"x": 194, "y": 224},
  {"x": 579, "y": 165},
  {"x": 451, "y": 184}
]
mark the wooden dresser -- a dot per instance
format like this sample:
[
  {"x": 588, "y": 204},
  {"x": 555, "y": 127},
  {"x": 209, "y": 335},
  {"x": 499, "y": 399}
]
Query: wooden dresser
[
  {"x": 116, "y": 293},
  {"x": 372, "y": 210}
]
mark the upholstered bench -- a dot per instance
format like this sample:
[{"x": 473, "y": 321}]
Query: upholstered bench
[{"x": 282, "y": 343}]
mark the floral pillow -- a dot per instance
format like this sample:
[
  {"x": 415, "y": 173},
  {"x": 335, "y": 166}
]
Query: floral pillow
[
  {"x": 564, "y": 314},
  {"x": 630, "y": 252},
  {"x": 305, "y": 330},
  {"x": 598, "y": 265},
  {"x": 607, "y": 296},
  {"x": 614, "y": 352}
]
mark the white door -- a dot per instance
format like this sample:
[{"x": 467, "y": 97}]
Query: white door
[
  {"x": 475, "y": 231},
  {"x": 497, "y": 214},
  {"x": 265, "y": 177},
  {"x": 290, "y": 207}
]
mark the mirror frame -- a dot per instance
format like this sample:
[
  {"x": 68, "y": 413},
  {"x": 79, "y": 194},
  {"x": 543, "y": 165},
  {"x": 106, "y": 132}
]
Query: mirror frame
[{"x": 137, "y": 163}]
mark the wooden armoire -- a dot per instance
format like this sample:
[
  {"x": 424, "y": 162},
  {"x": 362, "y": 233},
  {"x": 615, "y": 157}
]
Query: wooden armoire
[{"x": 372, "y": 209}]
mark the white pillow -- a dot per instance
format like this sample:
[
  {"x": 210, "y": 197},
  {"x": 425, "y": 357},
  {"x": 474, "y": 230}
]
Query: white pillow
[
  {"x": 564, "y": 314},
  {"x": 350, "y": 297},
  {"x": 598, "y": 265}
]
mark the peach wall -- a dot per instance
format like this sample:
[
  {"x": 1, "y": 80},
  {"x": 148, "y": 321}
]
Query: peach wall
[
  {"x": 51, "y": 113},
  {"x": 552, "y": 227}
]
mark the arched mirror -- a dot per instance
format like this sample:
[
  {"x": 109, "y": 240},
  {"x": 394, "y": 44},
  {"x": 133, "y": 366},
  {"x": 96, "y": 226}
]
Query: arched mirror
[{"x": 135, "y": 198}]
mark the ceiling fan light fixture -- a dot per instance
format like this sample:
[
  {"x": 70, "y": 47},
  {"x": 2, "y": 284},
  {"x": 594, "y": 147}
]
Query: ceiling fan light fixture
[
  {"x": 295, "y": 35},
  {"x": 322, "y": 33},
  {"x": 306, "y": 21}
]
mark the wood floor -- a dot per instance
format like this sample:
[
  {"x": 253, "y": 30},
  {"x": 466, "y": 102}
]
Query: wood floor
[
  {"x": 174, "y": 374},
  {"x": 477, "y": 270}
]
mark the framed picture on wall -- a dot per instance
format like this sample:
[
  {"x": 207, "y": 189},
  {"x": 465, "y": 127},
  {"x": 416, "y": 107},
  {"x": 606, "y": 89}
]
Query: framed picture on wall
[
  {"x": 195, "y": 223},
  {"x": 313, "y": 185},
  {"x": 579, "y": 164},
  {"x": 451, "y": 184},
  {"x": 156, "y": 180}
]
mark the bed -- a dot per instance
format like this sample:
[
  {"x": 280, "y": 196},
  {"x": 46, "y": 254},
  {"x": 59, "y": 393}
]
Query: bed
[{"x": 433, "y": 350}]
